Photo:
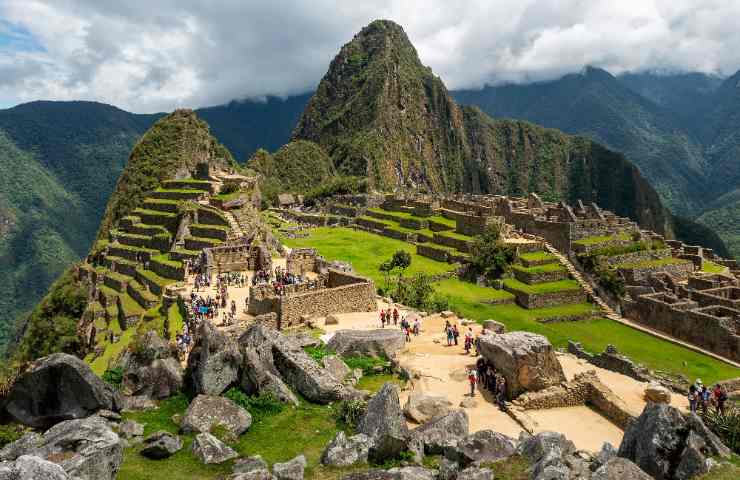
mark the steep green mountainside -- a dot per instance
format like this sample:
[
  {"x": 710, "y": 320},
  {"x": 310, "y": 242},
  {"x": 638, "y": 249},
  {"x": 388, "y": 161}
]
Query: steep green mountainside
[
  {"x": 596, "y": 104},
  {"x": 721, "y": 135},
  {"x": 172, "y": 148},
  {"x": 723, "y": 216},
  {"x": 379, "y": 112}
]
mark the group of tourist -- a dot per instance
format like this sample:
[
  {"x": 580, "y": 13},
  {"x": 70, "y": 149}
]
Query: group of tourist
[
  {"x": 484, "y": 375},
  {"x": 700, "y": 397},
  {"x": 408, "y": 327}
]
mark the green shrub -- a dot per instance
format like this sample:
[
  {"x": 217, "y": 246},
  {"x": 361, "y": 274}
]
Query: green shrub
[
  {"x": 612, "y": 281},
  {"x": 489, "y": 256},
  {"x": 351, "y": 411},
  {"x": 10, "y": 433},
  {"x": 318, "y": 353},
  {"x": 340, "y": 185},
  {"x": 366, "y": 364},
  {"x": 113, "y": 377},
  {"x": 259, "y": 406},
  {"x": 726, "y": 426}
]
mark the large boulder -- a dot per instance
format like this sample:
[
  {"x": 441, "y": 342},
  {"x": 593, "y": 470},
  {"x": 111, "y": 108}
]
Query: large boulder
[
  {"x": 483, "y": 446},
  {"x": 85, "y": 448},
  {"x": 526, "y": 360},
  {"x": 343, "y": 451},
  {"x": 160, "y": 445},
  {"x": 383, "y": 342},
  {"x": 209, "y": 449},
  {"x": 657, "y": 393},
  {"x": 493, "y": 326},
  {"x": 385, "y": 424},
  {"x": 290, "y": 470},
  {"x": 152, "y": 370},
  {"x": 422, "y": 407},
  {"x": 214, "y": 362},
  {"x": 28, "y": 467},
  {"x": 412, "y": 473},
  {"x": 536, "y": 447},
  {"x": 206, "y": 412},
  {"x": 475, "y": 473},
  {"x": 619, "y": 469},
  {"x": 668, "y": 445},
  {"x": 442, "y": 432},
  {"x": 335, "y": 367},
  {"x": 272, "y": 361},
  {"x": 57, "y": 388}
]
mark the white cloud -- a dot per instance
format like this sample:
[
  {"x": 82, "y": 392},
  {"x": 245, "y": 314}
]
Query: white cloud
[{"x": 150, "y": 56}]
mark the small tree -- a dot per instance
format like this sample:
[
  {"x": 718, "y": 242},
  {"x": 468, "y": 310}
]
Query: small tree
[
  {"x": 401, "y": 260},
  {"x": 489, "y": 255}
]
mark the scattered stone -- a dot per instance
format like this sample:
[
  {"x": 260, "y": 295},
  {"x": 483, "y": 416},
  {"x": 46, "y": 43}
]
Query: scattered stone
[
  {"x": 255, "y": 475},
  {"x": 331, "y": 320},
  {"x": 136, "y": 403},
  {"x": 448, "y": 469},
  {"x": 527, "y": 361},
  {"x": 130, "y": 429},
  {"x": 249, "y": 464},
  {"x": 422, "y": 408},
  {"x": 344, "y": 451},
  {"x": 606, "y": 453},
  {"x": 382, "y": 342},
  {"x": 535, "y": 448},
  {"x": 412, "y": 473},
  {"x": 290, "y": 470},
  {"x": 469, "y": 402},
  {"x": 110, "y": 416},
  {"x": 657, "y": 393},
  {"x": 206, "y": 412},
  {"x": 385, "y": 424},
  {"x": 465, "y": 322},
  {"x": 371, "y": 475},
  {"x": 475, "y": 473},
  {"x": 214, "y": 361},
  {"x": 665, "y": 444},
  {"x": 160, "y": 445},
  {"x": 56, "y": 388},
  {"x": 271, "y": 361},
  {"x": 335, "y": 367},
  {"x": 483, "y": 446},
  {"x": 442, "y": 433},
  {"x": 85, "y": 448},
  {"x": 620, "y": 469},
  {"x": 494, "y": 326},
  {"x": 209, "y": 449},
  {"x": 153, "y": 370},
  {"x": 304, "y": 340},
  {"x": 448, "y": 314},
  {"x": 29, "y": 467}
]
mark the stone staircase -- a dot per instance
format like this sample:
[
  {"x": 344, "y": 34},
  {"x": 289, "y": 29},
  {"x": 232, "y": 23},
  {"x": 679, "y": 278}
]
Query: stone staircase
[
  {"x": 609, "y": 312},
  {"x": 235, "y": 229}
]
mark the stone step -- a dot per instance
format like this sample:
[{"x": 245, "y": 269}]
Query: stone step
[
  {"x": 176, "y": 194},
  {"x": 162, "y": 205}
]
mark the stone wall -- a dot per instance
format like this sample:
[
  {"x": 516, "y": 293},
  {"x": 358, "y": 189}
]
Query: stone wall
[
  {"x": 724, "y": 296},
  {"x": 542, "y": 300},
  {"x": 590, "y": 247},
  {"x": 301, "y": 261},
  {"x": 640, "y": 276},
  {"x": 532, "y": 278},
  {"x": 640, "y": 256},
  {"x": 611, "y": 360},
  {"x": 429, "y": 251},
  {"x": 413, "y": 223},
  {"x": 456, "y": 243},
  {"x": 714, "y": 328}
]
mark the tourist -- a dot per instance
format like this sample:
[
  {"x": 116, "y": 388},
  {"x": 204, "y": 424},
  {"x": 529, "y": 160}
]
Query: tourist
[
  {"x": 692, "y": 397},
  {"x": 472, "y": 379},
  {"x": 704, "y": 398},
  {"x": 477, "y": 345},
  {"x": 407, "y": 330},
  {"x": 395, "y": 316},
  {"x": 468, "y": 340},
  {"x": 450, "y": 334},
  {"x": 455, "y": 333},
  {"x": 480, "y": 366},
  {"x": 491, "y": 379},
  {"x": 501, "y": 393},
  {"x": 720, "y": 397},
  {"x": 417, "y": 326},
  {"x": 382, "y": 319}
]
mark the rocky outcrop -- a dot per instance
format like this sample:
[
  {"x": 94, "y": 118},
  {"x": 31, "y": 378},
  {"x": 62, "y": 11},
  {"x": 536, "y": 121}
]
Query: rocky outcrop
[
  {"x": 475, "y": 473},
  {"x": 493, "y": 326},
  {"x": 385, "y": 425},
  {"x": 620, "y": 469},
  {"x": 153, "y": 370},
  {"x": 85, "y": 448},
  {"x": 657, "y": 393},
  {"x": 441, "y": 433},
  {"x": 290, "y": 470},
  {"x": 130, "y": 429},
  {"x": 272, "y": 361},
  {"x": 381, "y": 343},
  {"x": 57, "y": 388},
  {"x": 526, "y": 360},
  {"x": 335, "y": 367},
  {"x": 344, "y": 451},
  {"x": 28, "y": 467},
  {"x": 209, "y": 449},
  {"x": 206, "y": 412},
  {"x": 214, "y": 362},
  {"x": 422, "y": 408},
  {"x": 251, "y": 468},
  {"x": 483, "y": 446},
  {"x": 668, "y": 445},
  {"x": 160, "y": 445}
]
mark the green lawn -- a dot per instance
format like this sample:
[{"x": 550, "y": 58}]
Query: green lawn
[
  {"x": 546, "y": 268},
  {"x": 659, "y": 262},
  {"x": 467, "y": 300},
  {"x": 710, "y": 267},
  {"x": 305, "y": 429},
  {"x": 601, "y": 239},
  {"x": 364, "y": 250},
  {"x": 455, "y": 235},
  {"x": 537, "y": 256},
  {"x": 543, "y": 288}
]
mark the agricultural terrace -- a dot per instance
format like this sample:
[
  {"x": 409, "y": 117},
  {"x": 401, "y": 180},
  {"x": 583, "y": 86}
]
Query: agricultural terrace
[{"x": 366, "y": 251}]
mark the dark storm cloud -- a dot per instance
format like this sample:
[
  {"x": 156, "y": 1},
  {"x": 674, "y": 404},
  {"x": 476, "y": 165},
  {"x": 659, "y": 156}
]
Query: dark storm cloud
[{"x": 157, "y": 55}]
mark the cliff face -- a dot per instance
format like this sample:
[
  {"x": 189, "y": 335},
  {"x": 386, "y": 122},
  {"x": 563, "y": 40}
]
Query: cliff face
[{"x": 378, "y": 112}]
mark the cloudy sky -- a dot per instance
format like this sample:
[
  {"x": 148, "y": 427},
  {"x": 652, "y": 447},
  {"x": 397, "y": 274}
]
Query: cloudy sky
[{"x": 156, "y": 55}]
